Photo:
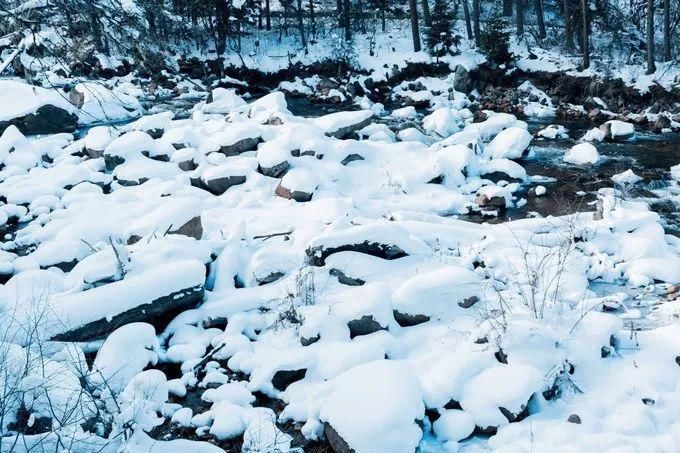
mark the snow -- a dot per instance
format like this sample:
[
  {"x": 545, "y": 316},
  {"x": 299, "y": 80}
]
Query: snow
[
  {"x": 333, "y": 122},
  {"x": 509, "y": 143},
  {"x": 619, "y": 128},
  {"x": 553, "y": 132},
  {"x": 100, "y": 104},
  {"x": 19, "y": 99},
  {"x": 582, "y": 154},
  {"x": 362, "y": 307},
  {"x": 374, "y": 407},
  {"x": 626, "y": 177}
]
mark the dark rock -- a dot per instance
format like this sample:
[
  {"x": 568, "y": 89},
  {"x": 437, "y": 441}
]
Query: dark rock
[
  {"x": 461, "y": 81},
  {"x": 469, "y": 302},
  {"x": 283, "y": 378},
  {"x": 47, "y": 119},
  {"x": 218, "y": 186},
  {"x": 111, "y": 161},
  {"x": 365, "y": 325},
  {"x": 344, "y": 279},
  {"x": 409, "y": 320},
  {"x": 501, "y": 356},
  {"x": 515, "y": 417},
  {"x": 271, "y": 278},
  {"x": 296, "y": 195},
  {"x": 347, "y": 131},
  {"x": 337, "y": 443},
  {"x": 662, "y": 122},
  {"x": 306, "y": 341},
  {"x": 479, "y": 117},
  {"x": 193, "y": 228},
  {"x": 573, "y": 418},
  {"x": 317, "y": 255},
  {"x": 485, "y": 201},
  {"x": 241, "y": 146},
  {"x": 277, "y": 171},
  {"x": 157, "y": 310},
  {"x": 351, "y": 158}
]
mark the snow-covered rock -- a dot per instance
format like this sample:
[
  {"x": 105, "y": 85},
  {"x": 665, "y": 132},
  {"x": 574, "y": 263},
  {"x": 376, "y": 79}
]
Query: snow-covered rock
[
  {"x": 35, "y": 110},
  {"x": 582, "y": 154}
]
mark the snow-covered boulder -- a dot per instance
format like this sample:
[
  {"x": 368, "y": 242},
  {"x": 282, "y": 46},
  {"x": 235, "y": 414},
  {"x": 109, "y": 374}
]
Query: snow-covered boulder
[
  {"x": 298, "y": 184},
  {"x": 237, "y": 138},
  {"x": 125, "y": 353},
  {"x": 144, "y": 296},
  {"x": 617, "y": 130},
  {"x": 582, "y": 154},
  {"x": 443, "y": 122},
  {"x": 219, "y": 178},
  {"x": 99, "y": 104},
  {"x": 343, "y": 124},
  {"x": 35, "y": 110},
  {"x": 374, "y": 407},
  {"x": 384, "y": 240},
  {"x": 509, "y": 143},
  {"x": 626, "y": 177},
  {"x": 500, "y": 394},
  {"x": 223, "y": 100},
  {"x": 441, "y": 294},
  {"x": 553, "y": 132}
]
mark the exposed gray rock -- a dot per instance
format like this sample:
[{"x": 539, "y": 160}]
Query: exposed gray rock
[
  {"x": 156, "y": 310},
  {"x": 47, "y": 119}
]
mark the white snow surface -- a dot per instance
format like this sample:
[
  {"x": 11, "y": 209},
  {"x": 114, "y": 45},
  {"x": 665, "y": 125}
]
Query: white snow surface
[{"x": 361, "y": 308}]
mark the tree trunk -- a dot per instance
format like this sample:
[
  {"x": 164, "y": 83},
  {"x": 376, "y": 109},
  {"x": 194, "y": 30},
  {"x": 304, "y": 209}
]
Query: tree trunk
[
  {"x": 267, "y": 15},
  {"x": 426, "y": 13},
  {"x": 519, "y": 11},
  {"x": 382, "y": 19},
  {"x": 651, "y": 67},
  {"x": 468, "y": 23},
  {"x": 667, "y": 30},
  {"x": 414, "y": 25},
  {"x": 338, "y": 12},
  {"x": 346, "y": 20},
  {"x": 568, "y": 26},
  {"x": 585, "y": 46},
  {"x": 301, "y": 25},
  {"x": 507, "y": 8},
  {"x": 312, "y": 18},
  {"x": 475, "y": 17},
  {"x": 538, "y": 6}
]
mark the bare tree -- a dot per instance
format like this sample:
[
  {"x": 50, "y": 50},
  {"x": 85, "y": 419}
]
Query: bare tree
[
  {"x": 468, "y": 23},
  {"x": 415, "y": 31},
  {"x": 540, "y": 22},
  {"x": 476, "y": 10},
  {"x": 651, "y": 66},
  {"x": 519, "y": 11},
  {"x": 585, "y": 39},
  {"x": 568, "y": 26},
  {"x": 346, "y": 20},
  {"x": 667, "y": 30}
]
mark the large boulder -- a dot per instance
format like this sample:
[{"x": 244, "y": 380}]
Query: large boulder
[
  {"x": 343, "y": 124},
  {"x": 35, "y": 110},
  {"x": 148, "y": 296},
  {"x": 617, "y": 130},
  {"x": 374, "y": 407}
]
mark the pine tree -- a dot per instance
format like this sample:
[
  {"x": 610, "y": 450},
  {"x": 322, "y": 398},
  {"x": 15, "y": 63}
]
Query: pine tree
[
  {"x": 495, "y": 41},
  {"x": 439, "y": 35}
]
